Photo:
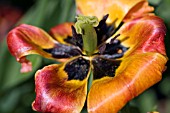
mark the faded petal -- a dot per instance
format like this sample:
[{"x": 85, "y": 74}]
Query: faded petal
[
  {"x": 26, "y": 39},
  {"x": 62, "y": 88}
]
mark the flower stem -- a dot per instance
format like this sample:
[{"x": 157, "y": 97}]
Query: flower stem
[{"x": 90, "y": 80}]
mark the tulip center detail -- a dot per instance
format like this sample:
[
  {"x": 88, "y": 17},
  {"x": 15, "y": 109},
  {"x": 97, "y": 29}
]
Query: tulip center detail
[
  {"x": 85, "y": 26},
  {"x": 77, "y": 68},
  {"x": 91, "y": 49}
]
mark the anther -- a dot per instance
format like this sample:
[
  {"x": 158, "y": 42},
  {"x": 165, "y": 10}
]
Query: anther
[
  {"x": 75, "y": 35},
  {"x": 113, "y": 39},
  {"x": 103, "y": 21}
]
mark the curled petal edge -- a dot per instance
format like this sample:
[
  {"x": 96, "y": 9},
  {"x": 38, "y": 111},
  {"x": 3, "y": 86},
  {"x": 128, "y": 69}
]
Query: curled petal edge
[
  {"x": 26, "y": 39},
  {"x": 143, "y": 35}
]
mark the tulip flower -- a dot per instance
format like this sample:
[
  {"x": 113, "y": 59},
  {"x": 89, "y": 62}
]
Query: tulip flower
[{"x": 115, "y": 45}]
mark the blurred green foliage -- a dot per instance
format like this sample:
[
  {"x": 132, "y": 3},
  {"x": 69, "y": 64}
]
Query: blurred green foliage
[{"x": 17, "y": 90}]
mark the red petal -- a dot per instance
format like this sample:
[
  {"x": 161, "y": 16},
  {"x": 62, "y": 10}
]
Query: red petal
[
  {"x": 143, "y": 35},
  {"x": 56, "y": 94},
  {"x": 27, "y": 39}
]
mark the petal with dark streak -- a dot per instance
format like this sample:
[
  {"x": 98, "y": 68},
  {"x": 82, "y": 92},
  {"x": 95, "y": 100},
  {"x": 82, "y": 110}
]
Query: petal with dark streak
[
  {"x": 135, "y": 74},
  {"x": 26, "y": 39},
  {"x": 58, "y": 93},
  {"x": 143, "y": 35}
]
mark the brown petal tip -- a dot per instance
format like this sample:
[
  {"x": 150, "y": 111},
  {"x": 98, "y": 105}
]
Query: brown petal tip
[{"x": 26, "y": 65}]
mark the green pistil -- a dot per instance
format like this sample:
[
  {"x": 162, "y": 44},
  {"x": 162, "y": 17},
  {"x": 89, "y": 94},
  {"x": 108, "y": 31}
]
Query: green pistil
[{"x": 85, "y": 26}]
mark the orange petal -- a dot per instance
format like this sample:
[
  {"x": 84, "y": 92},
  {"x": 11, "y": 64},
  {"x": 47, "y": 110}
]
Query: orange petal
[
  {"x": 135, "y": 74},
  {"x": 117, "y": 9},
  {"x": 143, "y": 35},
  {"x": 56, "y": 92},
  {"x": 61, "y": 32},
  {"x": 26, "y": 39},
  {"x": 139, "y": 10}
]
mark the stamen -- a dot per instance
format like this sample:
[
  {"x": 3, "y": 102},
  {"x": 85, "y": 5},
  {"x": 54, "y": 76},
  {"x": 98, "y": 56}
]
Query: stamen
[
  {"x": 77, "y": 38},
  {"x": 102, "y": 48},
  {"x": 113, "y": 39},
  {"x": 75, "y": 35},
  {"x": 104, "y": 31},
  {"x": 113, "y": 49},
  {"x": 115, "y": 30},
  {"x": 103, "y": 21},
  {"x": 63, "y": 51}
]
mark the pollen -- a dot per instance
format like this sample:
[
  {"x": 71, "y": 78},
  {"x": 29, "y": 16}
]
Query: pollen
[{"x": 119, "y": 51}]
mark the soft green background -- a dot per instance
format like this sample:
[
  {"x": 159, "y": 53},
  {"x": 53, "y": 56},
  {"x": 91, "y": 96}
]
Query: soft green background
[{"x": 17, "y": 90}]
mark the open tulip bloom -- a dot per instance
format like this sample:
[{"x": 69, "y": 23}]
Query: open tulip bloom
[{"x": 116, "y": 46}]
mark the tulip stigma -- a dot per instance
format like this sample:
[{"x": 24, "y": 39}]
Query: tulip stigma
[{"x": 85, "y": 26}]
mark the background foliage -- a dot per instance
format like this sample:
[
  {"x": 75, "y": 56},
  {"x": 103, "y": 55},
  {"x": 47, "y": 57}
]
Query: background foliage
[{"x": 17, "y": 90}]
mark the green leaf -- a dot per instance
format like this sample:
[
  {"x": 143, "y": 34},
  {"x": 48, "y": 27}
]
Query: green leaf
[
  {"x": 43, "y": 14},
  {"x": 9, "y": 101},
  {"x": 163, "y": 10},
  {"x": 36, "y": 14},
  {"x": 10, "y": 75},
  {"x": 154, "y": 2},
  {"x": 49, "y": 13},
  {"x": 63, "y": 11},
  {"x": 90, "y": 80},
  {"x": 129, "y": 108},
  {"x": 164, "y": 86},
  {"x": 147, "y": 101}
]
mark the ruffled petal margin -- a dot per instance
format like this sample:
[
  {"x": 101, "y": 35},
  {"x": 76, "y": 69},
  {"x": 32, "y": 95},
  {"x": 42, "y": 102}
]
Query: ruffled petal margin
[
  {"x": 26, "y": 39},
  {"x": 117, "y": 9},
  {"x": 135, "y": 74},
  {"x": 56, "y": 94}
]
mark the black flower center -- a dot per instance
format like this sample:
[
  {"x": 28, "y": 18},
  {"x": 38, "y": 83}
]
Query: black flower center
[
  {"x": 104, "y": 59},
  {"x": 113, "y": 49},
  {"x": 77, "y": 68},
  {"x": 63, "y": 51}
]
